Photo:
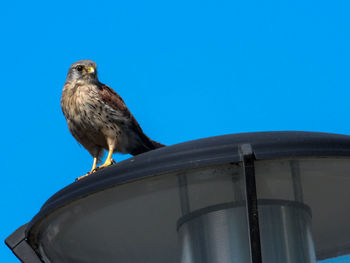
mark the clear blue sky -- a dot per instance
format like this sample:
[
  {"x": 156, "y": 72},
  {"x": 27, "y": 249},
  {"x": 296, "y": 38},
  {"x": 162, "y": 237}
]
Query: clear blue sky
[{"x": 187, "y": 69}]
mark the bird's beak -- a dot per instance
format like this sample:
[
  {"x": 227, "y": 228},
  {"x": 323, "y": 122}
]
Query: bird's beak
[{"x": 91, "y": 69}]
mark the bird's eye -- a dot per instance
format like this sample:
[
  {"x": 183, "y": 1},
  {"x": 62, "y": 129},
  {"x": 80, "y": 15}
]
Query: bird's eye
[{"x": 79, "y": 68}]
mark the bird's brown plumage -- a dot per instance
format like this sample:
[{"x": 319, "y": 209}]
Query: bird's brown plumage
[
  {"x": 97, "y": 116},
  {"x": 112, "y": 98}
]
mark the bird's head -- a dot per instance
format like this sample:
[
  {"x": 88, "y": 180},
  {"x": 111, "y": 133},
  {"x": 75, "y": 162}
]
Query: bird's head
[{"x": 83, "y": 70}]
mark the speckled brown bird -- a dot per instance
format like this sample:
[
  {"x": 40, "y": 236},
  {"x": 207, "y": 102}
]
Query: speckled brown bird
[{"x": 98, "y": 118}]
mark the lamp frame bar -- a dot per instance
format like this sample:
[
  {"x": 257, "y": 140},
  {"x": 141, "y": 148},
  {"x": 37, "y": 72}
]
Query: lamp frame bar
[{"x": 247, "y": 156}]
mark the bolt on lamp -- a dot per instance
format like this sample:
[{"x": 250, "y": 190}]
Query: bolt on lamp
[{"x": 243, "y": 198}]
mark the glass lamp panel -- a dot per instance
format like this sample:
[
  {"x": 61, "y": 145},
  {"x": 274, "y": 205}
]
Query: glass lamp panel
[
  {"x": 156, "y": 219},
  {"x": 320, "y": 184}
]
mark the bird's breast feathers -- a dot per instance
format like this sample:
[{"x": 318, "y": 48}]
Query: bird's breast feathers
[{"x": 95, "y": 107}]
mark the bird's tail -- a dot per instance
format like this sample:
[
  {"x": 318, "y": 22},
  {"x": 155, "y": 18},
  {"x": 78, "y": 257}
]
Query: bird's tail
[
  {"x": 146, "y": 145},
  {"x": 157, "y": 144}
]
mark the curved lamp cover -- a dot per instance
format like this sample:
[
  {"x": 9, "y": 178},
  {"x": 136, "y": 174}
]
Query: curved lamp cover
[{"x": 188, "y": 203}]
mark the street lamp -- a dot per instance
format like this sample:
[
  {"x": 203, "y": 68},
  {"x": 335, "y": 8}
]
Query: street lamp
[{"x": 254, "y": 197}]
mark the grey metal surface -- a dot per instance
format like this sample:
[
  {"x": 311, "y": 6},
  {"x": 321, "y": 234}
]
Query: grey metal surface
[
  {"x": 286, "y": 233},
  {"x": 215, "y": 237},
  {"x": 220, "y": 236}
]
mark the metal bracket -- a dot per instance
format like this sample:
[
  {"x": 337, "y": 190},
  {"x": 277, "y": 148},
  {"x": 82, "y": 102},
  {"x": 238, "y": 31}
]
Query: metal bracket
[
  {"x": 247, "y": 157},
  {"x": 183, "y": 193},
  {"x": 18, "y": 244}
]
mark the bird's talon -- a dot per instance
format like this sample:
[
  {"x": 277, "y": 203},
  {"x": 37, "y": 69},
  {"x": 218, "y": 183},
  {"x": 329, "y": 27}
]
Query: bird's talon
[
  {"x": 93, "y": 171},
  {"x": 83, "y": 176}
]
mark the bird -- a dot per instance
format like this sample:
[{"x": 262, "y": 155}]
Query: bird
[{"x": 99, "y": 119}]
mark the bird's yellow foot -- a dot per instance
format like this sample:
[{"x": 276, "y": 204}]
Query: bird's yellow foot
[
  {"x": 107, "y": 163},
  {"x": 85, "y": 175}
]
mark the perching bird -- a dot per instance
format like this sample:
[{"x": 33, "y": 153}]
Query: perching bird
[{"x": 98, "y": 118}]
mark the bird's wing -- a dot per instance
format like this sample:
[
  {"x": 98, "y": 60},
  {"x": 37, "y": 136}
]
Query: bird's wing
[{"x": 111, "y": 98}]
